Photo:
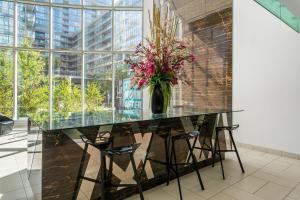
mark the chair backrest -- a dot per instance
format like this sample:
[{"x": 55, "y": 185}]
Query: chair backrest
[{"x": 208, "y": 126}]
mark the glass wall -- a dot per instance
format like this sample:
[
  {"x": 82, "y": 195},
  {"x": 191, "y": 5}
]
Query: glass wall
[
  {"x": 282, "y": 12},
  {"x": 65, "y": 56},
  {"x": 6, "y": 82}
]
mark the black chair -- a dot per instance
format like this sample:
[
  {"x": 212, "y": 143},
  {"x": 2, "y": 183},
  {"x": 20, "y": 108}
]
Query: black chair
[
  {"x": 218, "y": 150},
  {"x": 170, "y": 161},
  {"x": 204, "y": 127},
  {"x": 163, "y": 133},
  {"x": 103, "y": 143},
  {"x": 173, "y": 159},
  {"x": 6, "y": 124}
]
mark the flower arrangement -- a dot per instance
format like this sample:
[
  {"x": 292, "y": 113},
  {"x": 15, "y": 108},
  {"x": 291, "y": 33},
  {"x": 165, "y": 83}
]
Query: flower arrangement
[{"x": 160, "y": 62}]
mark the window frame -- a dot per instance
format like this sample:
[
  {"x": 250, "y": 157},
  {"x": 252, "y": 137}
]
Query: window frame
[{"x": 51, "y": 50}]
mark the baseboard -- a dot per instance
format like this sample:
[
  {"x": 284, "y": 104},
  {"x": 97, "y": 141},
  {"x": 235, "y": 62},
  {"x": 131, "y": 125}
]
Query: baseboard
[{"x": 269, "y": 150}]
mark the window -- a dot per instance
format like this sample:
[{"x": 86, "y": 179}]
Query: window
[
  {"x": 6, "y": 83},
  {"x": 64, "y": 56}
]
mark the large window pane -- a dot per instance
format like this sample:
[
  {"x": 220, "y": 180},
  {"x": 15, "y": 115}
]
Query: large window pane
[
  {"x": 122, "y": 75},
  {"x": 125, "y": 96},
  {"x": 128, "y": 3},
  {"x": 98, "y": 81},
  {"x": 6, "y": 23},
  {"x": 67, "y": 1},
  {"x": 98, "y": 30},
  {"x": 68, "y": 23},
  {"x": 33, "y": 25},
  {"x": 33, "y": 82},
  {"x": 97, "y": 2},
  {"x": 127, "y": 30},
  {"x": 38, "y": 0},
  {"x": 67, "y": 28},
  {"x": 6, "y": 82},
  {"x": 66, "y": 83}
]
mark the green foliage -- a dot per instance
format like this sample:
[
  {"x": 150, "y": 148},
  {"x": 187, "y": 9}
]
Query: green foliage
[
  {"x": 67, "y": 97},
  {"x": 6, "y": 83},
  {"x": 93, "y": 97},
  {"x": 166, "y": 90},
  {"x": 33, "y": 86},
  {"x": 32, "y": 82}
]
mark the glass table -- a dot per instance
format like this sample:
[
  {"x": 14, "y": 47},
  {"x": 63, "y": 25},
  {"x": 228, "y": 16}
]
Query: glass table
[{"x": 55, "y": 148}]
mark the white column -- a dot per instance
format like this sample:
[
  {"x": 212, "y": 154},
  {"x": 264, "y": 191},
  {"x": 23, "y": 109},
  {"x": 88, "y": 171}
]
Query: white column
[{"x": 148, "y": 7}]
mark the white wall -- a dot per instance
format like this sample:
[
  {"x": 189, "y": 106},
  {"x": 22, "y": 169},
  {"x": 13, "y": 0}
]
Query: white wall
[{"x": 266, "y": 78}]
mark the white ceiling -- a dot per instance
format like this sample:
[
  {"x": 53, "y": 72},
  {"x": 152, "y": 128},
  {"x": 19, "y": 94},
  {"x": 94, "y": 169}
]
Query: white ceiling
[{"x": 293, "y": 5}]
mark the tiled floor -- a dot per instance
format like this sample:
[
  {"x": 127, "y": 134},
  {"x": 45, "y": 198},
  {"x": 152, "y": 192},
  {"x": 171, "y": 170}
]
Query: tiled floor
[{"x": 267, "y": 176}]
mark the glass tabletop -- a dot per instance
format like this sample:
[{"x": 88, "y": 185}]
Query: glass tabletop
[{"x": 48, "y": 122}]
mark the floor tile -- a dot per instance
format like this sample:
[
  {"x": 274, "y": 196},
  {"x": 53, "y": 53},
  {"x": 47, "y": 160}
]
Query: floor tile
[
  {"x": 222, "y": 196},
  {"x": 159, "y": 195},
  {"x": 10, "y": 183},
  {"x": 272, "y": 191},
  {"x": 289, "y": 198},
  {"x": 276, "y": 178},
  {"x": 29, "y": 193},
  {"x": 295, "y": 194},
  {"x": 173, "y": 190},
  {"x": 240, "y": 194},
  {"x": 277, "y": 166},
  {"x": 212, "y": 187},
  {"x": 251, "y": 184},
  {"x": 14, "y": 195}
]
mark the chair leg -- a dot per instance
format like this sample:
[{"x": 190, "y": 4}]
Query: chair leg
[
  {"x": 103, "y": 176},
  {"x": 146, "y": 156},
  {"x": 176, "y": 168},
  {"x": 236, "y": 151},
  {"x": 79, "y": 175},
  {"x": 111, "y": 162},
  {"x": 211, "y": 145},
  {"x": 167, "y": 159},
  {"x": 220, "y": 155},
  {"x": 136, "y": 176},
  {"x": 170, "y": 162},
  {"x": 110, "y": 168},
  {"x": 193, "y": 147},
  {"x": 214, "y": 152},
  {"x": 203, "y": 144},
  {"x": 195, "y": 163}
]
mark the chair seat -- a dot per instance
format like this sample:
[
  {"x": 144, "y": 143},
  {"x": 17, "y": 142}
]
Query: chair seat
[
  {"x": 122, "y": 150},
  {"x": 99, "y": 143},
  {"x": 184, "y": 135},
  {"x": 228, "y": 128}
]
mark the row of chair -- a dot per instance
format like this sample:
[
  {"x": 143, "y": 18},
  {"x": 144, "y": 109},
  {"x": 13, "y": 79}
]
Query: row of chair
[{"x": 103, "y": 144}]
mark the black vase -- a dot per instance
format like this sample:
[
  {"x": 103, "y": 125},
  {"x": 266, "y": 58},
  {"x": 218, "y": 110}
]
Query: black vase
[{"x": 157, "y": 101}]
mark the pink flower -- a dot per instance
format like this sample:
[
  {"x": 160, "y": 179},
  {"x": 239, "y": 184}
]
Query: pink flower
[
  {"x": 165, "y": 69},
  {"x": 132, "y": 66},
  {"x": 150, "y": 69},
  {"x": 174, "y": 81},
  {"x": 139, "y": 71},
  {"x": 141, "y": 83}
]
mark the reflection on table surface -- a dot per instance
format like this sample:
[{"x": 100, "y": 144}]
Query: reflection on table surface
[{"x": 46, "y": 121}]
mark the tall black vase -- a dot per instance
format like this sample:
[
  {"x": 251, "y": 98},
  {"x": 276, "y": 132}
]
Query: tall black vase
[{"x": 157, "y": 101}]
